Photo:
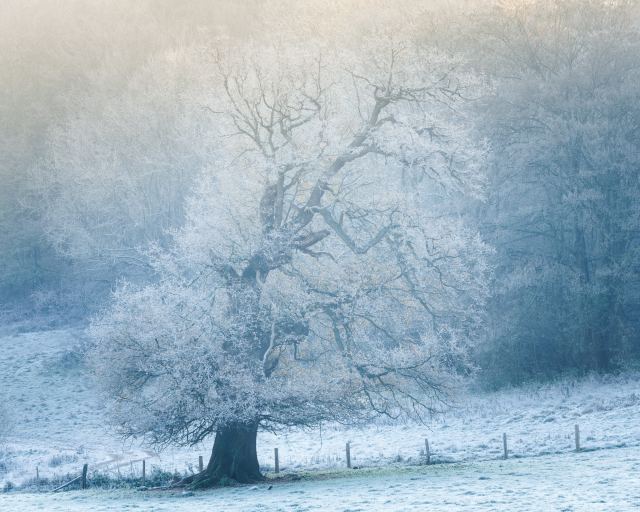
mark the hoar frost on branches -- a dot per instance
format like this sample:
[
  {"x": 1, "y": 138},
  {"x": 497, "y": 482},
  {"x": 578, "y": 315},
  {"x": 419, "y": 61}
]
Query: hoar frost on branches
[{"x": 320, "y": 276}]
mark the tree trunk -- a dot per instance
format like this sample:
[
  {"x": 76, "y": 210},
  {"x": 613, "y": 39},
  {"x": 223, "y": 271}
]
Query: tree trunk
[{"x": 234, "y": 457}]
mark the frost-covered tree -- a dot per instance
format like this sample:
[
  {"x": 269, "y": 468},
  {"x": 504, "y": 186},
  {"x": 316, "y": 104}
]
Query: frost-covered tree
[
  {"x": 563, "y": 207},
  {"x": 321, "y": 275},
  {"x": 118, "y": 170}
]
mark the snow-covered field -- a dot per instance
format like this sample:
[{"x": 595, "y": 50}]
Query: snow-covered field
[
  {"x": 591, "y": 481},
  {"x": 59, "y": 427}
]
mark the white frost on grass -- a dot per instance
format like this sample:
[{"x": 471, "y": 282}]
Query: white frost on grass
[
  {"x": 537, "y": 420},
  {"x": 59, "y": 424},
  {"x": 590, "y": 482}
]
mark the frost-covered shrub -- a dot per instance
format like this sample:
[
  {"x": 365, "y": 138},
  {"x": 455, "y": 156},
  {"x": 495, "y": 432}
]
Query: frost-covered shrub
[
  {"x": 155, "y": 477},
  {"x": 60, "y": 459},
  {"x": 5, "y": 424},
  {"x": 4, "y": 466}
]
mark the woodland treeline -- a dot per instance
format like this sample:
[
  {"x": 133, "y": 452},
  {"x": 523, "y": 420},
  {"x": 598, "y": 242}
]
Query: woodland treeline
[{"x": 106, "y": 123}]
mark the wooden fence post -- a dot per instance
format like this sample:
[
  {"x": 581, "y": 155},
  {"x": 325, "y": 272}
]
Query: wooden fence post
[
  {"x": 348, "y": 456},
  {"x": 143, "y": 473},
  {"x": 275, "y": 453},
  {"x": 84, "y": 475},
  {"x": 504, "y": 441},
  {"x": 426, "y": 443},
  {"x": 200, "y": 463},
  {"x": 577, "y": 438}
]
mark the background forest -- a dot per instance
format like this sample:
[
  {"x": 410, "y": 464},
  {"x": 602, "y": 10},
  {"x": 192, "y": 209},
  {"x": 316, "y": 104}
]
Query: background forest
[{"x": 105, "y": 130}]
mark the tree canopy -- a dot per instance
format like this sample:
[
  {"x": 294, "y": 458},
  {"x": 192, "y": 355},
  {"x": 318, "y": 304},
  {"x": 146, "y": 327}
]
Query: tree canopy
[
  {"x": 562, "y": 206},
  {"x": 322, "y": 274}
]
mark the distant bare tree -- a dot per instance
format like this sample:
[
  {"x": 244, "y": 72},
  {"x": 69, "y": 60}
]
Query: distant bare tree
[{"x": 119, "y": 169}]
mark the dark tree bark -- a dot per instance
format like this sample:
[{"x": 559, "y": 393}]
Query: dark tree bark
[{"x": 234, "y": 457}]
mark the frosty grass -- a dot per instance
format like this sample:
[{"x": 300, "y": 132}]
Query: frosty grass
[{"x": 59, "y": 427}]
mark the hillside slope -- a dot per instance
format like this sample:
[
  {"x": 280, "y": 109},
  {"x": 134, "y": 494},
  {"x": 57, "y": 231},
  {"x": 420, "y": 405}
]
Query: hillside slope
[{"x": 59, "y": 423}]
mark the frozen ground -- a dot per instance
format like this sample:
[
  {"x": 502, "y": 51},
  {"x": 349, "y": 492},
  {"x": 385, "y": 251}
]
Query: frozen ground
[
  {"x": 59, "y": 427},
  {"x": 590, "y": 481}
]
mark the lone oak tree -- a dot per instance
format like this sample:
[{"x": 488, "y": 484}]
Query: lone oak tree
[{"x": 323, "y": 275}]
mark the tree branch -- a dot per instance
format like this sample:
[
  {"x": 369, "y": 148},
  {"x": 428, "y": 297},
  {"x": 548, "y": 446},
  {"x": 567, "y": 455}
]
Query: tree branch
[{"x": 337, "y": 227}]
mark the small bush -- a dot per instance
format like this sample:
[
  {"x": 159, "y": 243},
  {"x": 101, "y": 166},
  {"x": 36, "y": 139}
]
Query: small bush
[
  {"x": 60, "y": 459},
  {"x": 4, "y": 465},
  {"x": 33, "y": 483},
  {"x": 70, "y": 359},
  {"x": 5, "y": 425},
  {"x": 110, "y": 480}
]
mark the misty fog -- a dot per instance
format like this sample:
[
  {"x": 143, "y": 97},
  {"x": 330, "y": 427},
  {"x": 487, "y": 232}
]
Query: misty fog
[{"x": 272, "y": 214}]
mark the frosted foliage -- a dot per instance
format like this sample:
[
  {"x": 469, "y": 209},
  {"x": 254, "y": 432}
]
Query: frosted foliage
[
  {"x": 314, "y": 279},
  {"x": 121, "y": 164},
  {"x": 564, "y": 204},
  {"x": 5, "y": 424}
]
